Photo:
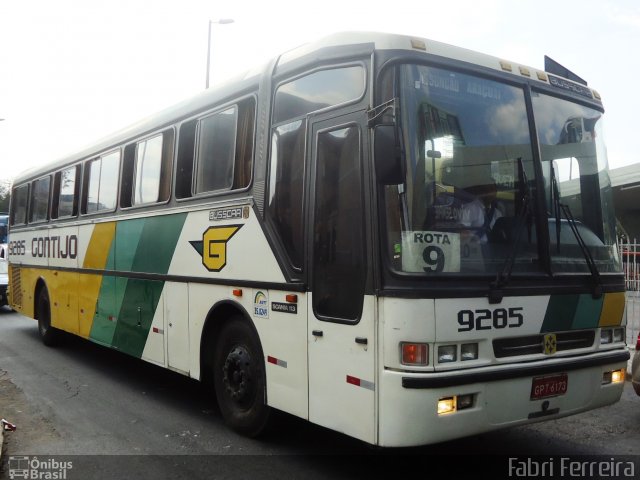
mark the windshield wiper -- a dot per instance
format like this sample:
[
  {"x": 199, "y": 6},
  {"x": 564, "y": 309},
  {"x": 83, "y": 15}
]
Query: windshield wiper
[
  {"x": 503, "y": 276},
  {"x": 586, "y": 253},
  {"x": 556, "y": 203},
  {"x": 593, "y": 268}
]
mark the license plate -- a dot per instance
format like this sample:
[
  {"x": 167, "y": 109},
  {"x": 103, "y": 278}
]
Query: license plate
[{"x": 551, "y": 386}]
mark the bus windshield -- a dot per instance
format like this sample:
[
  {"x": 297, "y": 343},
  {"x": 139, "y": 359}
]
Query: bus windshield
[{"x": 469, "y": 202}]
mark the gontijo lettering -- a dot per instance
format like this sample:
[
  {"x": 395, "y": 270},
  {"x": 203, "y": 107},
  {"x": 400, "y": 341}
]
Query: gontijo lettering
[{"x": 55, "y": 247}]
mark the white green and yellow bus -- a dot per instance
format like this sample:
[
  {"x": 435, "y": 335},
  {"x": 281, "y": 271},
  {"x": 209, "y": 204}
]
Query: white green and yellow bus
[{"x": 398, "y": 239}]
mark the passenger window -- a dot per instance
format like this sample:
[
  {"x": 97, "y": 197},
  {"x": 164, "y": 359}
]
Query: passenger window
[
  {"x": 66, "y": 193},
  {"x": 216, "y": 151},
  {"x": 102, "y": 184},
  {"x": 152, "y": 169},
  {"x": 40, "y": 200},
  {"x": 19, "y": 202},
  {"x": 186, "y": 149}
]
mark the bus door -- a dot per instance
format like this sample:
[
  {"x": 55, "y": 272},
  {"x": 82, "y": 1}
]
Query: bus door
[{"x": 341, "y": 317}]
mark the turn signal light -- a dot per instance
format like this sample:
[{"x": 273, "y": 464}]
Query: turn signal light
[{"x": 414, "y": 353}]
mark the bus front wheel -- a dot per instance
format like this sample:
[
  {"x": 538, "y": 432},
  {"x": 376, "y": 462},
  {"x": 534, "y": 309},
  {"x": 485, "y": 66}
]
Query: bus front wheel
[
  {"x": 239, "y": 379},
  {"x": 48, "y": 334}
]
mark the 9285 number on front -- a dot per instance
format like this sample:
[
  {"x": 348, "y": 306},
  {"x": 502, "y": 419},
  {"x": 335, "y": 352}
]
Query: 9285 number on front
[{"x": 486, "y": 319}]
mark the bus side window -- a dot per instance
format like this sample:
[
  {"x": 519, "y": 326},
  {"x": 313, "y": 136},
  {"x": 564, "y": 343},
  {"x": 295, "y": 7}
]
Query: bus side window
[
  {"x": 39, "y": 211},
  {"x": 186, "y": 149},
  {"x": 19, "y": 202},
  {"x": 215, "y": 152},
  {"x": 244, "y": 143},
  {"x": 101, "y": 183},
  {"x": 65, "y": 193},
  {"x": 146, "y": 167}
]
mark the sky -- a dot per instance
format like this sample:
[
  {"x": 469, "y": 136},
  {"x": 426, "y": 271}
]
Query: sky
[{"x": 73, "y": 71}]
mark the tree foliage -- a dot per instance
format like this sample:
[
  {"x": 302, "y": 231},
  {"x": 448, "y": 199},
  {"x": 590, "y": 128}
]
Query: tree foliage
[{"x": 5, "y": 195}]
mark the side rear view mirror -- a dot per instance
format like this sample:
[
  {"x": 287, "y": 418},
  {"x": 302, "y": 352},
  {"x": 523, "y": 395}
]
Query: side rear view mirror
[{"x": 388, "y": 157}]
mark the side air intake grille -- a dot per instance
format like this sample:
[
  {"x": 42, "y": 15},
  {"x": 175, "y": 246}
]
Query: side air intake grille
[{"x": 16, "y": 286}]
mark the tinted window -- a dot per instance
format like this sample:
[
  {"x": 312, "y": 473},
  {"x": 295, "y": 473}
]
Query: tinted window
[
  {"x": 19, "y": 205},
  {"x": 216, "y": 151},
  {"x": 186, "y": 148},
  {"x": 103, "y": 183},
  {"x": 40, "y": 200},
  {"x": 286, "y": 186},
  {"x": 318, "y": 90},
  {"x": 338, "y": 240}
]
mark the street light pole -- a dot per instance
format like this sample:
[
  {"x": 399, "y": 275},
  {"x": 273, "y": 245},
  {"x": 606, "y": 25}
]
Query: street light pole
[{"x": 222, "y": 21}]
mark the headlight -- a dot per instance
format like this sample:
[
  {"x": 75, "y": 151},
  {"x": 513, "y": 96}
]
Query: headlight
[
  {"x": 606, "y": 336},
  {"x": 618, "y": 335},
  {"x": 469, "y": 351},
  {"x": 447, "y": 353}
]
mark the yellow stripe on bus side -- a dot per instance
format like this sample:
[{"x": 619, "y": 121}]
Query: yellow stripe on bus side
[
  {"x": 89, "y": 284},
  {"x": 99, "y": 246},
  {"x": 612, "y": 310}
]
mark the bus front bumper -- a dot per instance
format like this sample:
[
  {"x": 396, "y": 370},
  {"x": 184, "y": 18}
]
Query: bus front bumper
[{"x": 501, "y": 397}]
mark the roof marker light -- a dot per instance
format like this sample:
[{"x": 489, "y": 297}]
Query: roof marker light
[
  {"x": 506, "y": 66},
  {"x": 418, "y": 44}
]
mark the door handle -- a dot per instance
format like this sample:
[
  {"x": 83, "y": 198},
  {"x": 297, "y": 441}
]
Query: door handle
[
  {"x": 317, "y": 333},
  {"x": 362, "y": 341}
]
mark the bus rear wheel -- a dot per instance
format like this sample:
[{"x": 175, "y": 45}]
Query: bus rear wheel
[
  {"x": 48, "y": 334},
  {"x": 239, "y": 379}
]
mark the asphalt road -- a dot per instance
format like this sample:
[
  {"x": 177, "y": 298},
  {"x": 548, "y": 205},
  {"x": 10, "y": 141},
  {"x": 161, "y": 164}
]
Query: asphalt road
[{"x": 114, "y": 415}]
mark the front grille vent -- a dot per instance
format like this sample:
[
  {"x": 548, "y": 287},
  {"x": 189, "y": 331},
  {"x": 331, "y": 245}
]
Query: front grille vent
[{"x": 534, "y": 344}]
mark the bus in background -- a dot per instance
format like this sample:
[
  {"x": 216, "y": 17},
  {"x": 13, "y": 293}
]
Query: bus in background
[
  {"x": 313, "y": 238},
  {"x": 4, "y": 266}
]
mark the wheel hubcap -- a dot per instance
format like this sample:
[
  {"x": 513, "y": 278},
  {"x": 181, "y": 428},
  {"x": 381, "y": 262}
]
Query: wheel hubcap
[{"x": 237, "y": 376}]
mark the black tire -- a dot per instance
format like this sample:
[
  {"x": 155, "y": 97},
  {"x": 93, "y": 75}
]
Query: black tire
[
  {"x": 239, "y": 379},
  {"x": 48, "y": 334}
]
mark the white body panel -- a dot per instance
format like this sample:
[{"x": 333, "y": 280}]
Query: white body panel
[{"x": 334, "y": 358}]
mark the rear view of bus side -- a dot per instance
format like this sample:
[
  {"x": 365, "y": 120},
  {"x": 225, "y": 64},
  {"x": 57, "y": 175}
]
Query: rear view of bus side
[{"x": 401, "y": 240}]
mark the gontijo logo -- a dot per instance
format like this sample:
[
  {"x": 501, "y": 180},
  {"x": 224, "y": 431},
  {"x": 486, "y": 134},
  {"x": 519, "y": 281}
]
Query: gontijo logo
[
  {"x": 213, "y": 247},
  {"x": 261, "y": 305}
]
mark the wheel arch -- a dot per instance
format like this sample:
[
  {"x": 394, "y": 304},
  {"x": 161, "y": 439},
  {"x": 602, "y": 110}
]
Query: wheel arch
[{"x": 220, "y": 314}]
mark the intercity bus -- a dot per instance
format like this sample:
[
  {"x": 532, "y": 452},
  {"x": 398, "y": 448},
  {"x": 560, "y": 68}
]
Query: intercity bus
[{"x": 312, "y": 237}]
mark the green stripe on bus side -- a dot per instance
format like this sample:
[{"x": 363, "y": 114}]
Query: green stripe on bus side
[
  {"x": 103, "y": 326},
  {"x": 154, "y": 248},
  {"x": 157, "y": 243},
  {"x": 136, "y": 315},
  {"x": 128, "y": 235},
  {"x": 572, "y": 312}
]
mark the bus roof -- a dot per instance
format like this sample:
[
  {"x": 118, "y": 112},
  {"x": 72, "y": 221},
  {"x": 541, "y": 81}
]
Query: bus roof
[{"x": 302, "y": 56}]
